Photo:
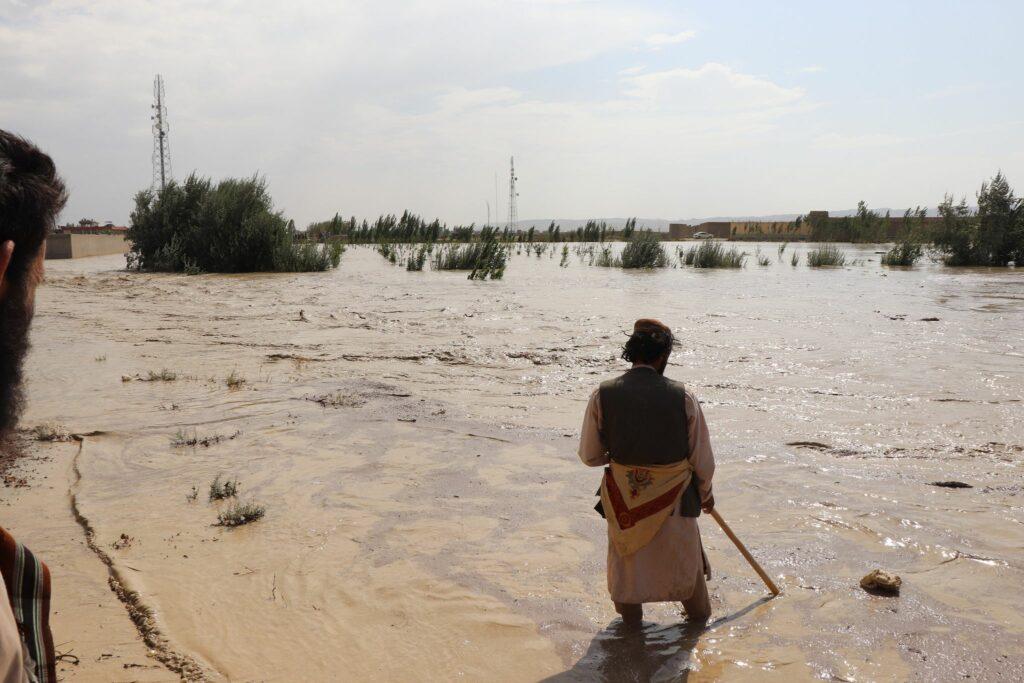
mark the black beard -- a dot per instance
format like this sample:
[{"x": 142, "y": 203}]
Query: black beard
[{"x": 15, "y": 319}]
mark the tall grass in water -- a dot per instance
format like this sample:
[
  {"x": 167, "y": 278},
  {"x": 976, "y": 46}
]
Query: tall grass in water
[
  {"x": 903, "y": 254},
  {"x": 828, "y": 255},
  {"x": 644, "y": 250},
  {"x": 417, "y": 259},
  {"x": 795, "y": 259},
  {"x": 711, "y": 254},
  {"x": 606, "y": 259},
  {"x": 762, "y": 260},
  {"x": 483, "y": 259}
]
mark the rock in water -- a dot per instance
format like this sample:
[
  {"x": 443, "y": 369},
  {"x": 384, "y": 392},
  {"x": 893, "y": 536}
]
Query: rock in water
[
  {"x": 878, "y": 581},
  {"x": 952, "y": 484}
]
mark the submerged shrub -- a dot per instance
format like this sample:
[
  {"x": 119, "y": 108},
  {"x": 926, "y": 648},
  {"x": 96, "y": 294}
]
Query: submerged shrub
[
  {"x": 644, "y": 250},
  {"x": 229, "y": 227},
  {"x": 483, "y": 259},
  {"x": 903, "y": 254},
  {"x": 238, "y": 514},
  {"x": 219, "y": 490},
  {"x": 417, "y": 259},
  {"x": 828, "y": 255},
  {"x": 605, "y": 259},
  {"x": 711, "y": 254}
]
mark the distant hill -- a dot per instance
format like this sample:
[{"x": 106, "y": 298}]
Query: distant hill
[{"x": 661, "y": 224}]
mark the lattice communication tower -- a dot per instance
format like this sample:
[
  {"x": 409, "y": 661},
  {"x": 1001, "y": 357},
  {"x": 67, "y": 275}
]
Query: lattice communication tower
[
  {"x": 161, "y": 145},
  {"x": 513, "y": 210}
]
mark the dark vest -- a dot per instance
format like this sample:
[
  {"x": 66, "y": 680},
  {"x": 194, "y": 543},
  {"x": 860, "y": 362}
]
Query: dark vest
[{"x": 643, "y": 422}]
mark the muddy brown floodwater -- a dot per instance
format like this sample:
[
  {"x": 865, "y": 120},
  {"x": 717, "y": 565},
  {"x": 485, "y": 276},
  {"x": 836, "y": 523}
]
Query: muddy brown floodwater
[{"x": 413, "y": 438}]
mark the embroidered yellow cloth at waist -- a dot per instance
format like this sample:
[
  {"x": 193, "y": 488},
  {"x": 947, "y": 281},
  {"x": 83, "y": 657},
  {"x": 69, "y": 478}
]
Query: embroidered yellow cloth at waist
[{"x": 637, "y": 500}]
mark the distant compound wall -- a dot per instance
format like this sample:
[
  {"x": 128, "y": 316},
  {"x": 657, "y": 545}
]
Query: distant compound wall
[
  {"x": 682, "y": 231},
  {"x": 65, "y": 245}
]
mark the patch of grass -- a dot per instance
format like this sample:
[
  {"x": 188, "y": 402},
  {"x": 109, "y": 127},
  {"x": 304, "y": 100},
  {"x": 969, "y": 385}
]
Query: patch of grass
[
  {"x": 238, "y": 514},
  {"x": 101, "y": 359},
  {"x": 782, "y": 249},
  {"x": 795, "y": 260},
  {"x": 50, "y": 431},
  {"x": 193, "y": 495},
  {"x": 644, "y": 250},
  {"x": 828, "y": 255},
  {"x": 711, "y": 254},
  {"x": 163, "y": 375},
  {"x": 762, "y": 260},
  {"x": 234, "y": 380},
  {"x": 903, "y": 254},
  {"x": 564, "y": 263},
  {"x": 220, "y": 490},
  {"x": 182, "y": 438}
]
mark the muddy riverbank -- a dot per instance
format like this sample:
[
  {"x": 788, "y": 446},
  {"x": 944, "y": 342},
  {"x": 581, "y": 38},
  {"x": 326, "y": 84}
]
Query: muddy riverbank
[{"x": 413, "y": 435}]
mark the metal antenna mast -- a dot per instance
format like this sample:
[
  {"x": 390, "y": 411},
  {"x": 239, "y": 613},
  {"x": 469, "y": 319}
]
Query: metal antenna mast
[
  {"x": 513, "y": 211},
  {"x": 161, "y": 146}
]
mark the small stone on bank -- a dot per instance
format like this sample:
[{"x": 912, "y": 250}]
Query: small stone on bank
[{"x": 879, "y": 581}]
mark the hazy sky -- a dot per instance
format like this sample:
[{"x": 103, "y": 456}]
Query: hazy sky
[{"x": 656, "y": 109}]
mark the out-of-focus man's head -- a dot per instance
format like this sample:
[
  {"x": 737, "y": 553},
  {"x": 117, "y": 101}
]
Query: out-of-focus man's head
[{"x": 31, "y": 197}]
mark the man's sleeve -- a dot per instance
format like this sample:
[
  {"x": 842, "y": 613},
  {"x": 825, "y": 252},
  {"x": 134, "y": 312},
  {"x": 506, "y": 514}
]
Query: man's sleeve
[
  {"x": 701, "y": 455},
  {"x": 593, "y": 451}
]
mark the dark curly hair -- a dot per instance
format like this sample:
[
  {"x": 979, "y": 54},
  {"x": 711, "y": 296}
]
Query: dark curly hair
[
  {"x": 31, "y": 197},
  {"x": 647, "y": 347}
]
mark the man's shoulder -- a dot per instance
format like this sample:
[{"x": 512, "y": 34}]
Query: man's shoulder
[{"x": 612, "y": 382}]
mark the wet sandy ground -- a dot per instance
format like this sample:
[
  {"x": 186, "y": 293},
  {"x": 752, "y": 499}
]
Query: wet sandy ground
[{"x": 413, "y": 437}]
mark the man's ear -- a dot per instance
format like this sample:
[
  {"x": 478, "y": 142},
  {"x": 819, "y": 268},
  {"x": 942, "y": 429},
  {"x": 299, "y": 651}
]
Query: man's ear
[{"x": 6, "y": 250}]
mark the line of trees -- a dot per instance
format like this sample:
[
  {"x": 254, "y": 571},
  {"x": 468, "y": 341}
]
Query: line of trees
[{"x": 410, "y": 228}]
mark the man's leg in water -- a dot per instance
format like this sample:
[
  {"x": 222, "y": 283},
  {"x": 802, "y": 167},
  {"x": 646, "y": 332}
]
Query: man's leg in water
[
  {"x": 632, "y": 613},
  {"x": 698, "y": 607}
]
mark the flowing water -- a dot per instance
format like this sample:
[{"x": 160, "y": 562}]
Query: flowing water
[{"x": 413, "y": 437}]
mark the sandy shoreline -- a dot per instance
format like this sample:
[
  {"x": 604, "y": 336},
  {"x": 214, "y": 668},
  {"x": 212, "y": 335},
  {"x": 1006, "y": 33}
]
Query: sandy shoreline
[{"x": 428, "y": 518}]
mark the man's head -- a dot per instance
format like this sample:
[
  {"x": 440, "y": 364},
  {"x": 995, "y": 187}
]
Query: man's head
[
  {"x": 31, "y": 196},
  {"x": 650, "y": 344}
]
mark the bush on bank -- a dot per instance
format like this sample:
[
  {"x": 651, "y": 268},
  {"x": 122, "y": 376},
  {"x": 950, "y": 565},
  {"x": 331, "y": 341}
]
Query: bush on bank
[
  {"x": 229, "y": 227},
  {"x": 992, "y": 236}
]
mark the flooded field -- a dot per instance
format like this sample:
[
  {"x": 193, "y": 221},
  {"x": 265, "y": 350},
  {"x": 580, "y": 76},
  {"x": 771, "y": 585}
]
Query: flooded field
[{"x": 413, "y": 438}]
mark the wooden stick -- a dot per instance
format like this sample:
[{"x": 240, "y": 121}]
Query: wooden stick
[{"x": 746, "y": 553}]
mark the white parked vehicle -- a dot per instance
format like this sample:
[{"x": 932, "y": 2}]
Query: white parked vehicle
[{"x": 702, "y": 235}]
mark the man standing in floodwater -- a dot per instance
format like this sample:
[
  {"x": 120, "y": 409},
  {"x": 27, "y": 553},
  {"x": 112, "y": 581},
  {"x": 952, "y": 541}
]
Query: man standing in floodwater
[
  {"x": 31, "y": 197},
  {"x": 650, "y": 433}
]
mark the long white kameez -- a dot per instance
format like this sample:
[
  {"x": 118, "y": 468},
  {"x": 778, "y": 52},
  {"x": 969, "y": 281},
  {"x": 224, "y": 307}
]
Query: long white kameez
[{"x": 669, "y": 567}]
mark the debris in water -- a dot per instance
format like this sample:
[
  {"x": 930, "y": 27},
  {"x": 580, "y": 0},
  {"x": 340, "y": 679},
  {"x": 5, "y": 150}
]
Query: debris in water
[
  {"x": 817, "y": 445},
  {"x": 929, "y": 320},
  {"x": 952, "y": 484},
  {"x": 879, "y": 581},
  {"x": 123, "y": 542}
]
